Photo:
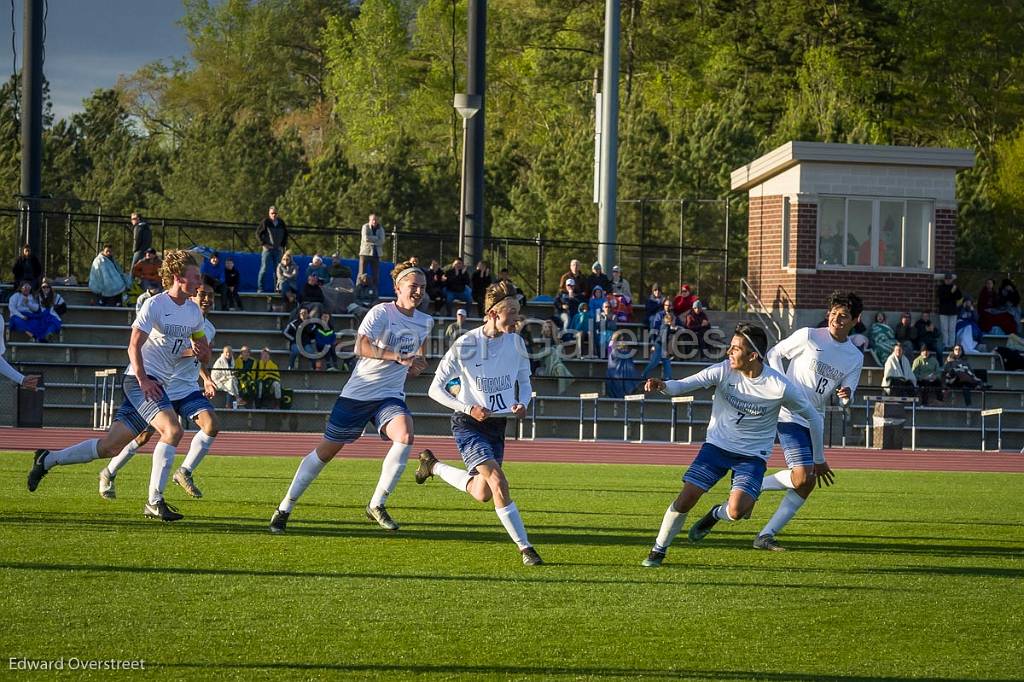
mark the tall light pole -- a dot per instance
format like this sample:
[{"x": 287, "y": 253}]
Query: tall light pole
[
  {"x": 467, "y": 106},
  {"x": 606, "y": 236}
]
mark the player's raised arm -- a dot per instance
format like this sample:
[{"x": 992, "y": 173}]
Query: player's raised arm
[{"x": 706, "y": 378}]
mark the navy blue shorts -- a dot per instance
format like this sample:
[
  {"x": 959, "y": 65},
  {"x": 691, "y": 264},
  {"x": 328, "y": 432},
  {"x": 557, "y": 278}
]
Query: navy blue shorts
[
  {"x": 713, "y": 463},
  {"x": 479, "y": 441},
  {"x": 795, "y": 440},
  {"x": 349, "y": 417},
  {"x": 189, "y": 406}
]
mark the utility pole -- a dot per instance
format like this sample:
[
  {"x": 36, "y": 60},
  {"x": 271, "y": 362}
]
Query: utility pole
[
  {"x": 476, "y": 78},
  {"x": 609, "y": 137},
  {"x": 32, "y": 124}
]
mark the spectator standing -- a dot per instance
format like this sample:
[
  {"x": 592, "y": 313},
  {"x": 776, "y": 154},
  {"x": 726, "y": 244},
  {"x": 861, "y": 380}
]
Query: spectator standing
[
  {"x": 232, "y": 287},
  {"x": 949, "y": 296},
  {"x": 597, "y": 279},
  {"x": 683, "y": 300},
  {"x": 371, "y": 246},
  {"x": 957, "y": 373},
  {"x": 213, "y": 272},
  {"x": 273, "y": 236},
  {"x": 455, "y": 329},
  {"x": 576, "y": 274},
  {"x": 456, "y": 284},
  {"x": 479, "y": 281},
  {"x": 142, "y": 237},
  {"x": 106, "y": 279},
  {"x": 223, "y": 375},
  {"x": 27, "y": 267},
  {"x": 147, "y": 270},
  {"x": 898, "y": 377},
  {"x": 926, "y": 371},
  {"x": 696, "y": 321},
  {"x": 619, "y": 285}
]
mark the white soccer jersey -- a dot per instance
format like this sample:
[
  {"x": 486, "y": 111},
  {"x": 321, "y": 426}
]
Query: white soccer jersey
[
  {"x": 819, "y": 365},
  {"x": 488, "y": 371},
  {"x": 185, "y": 379},
  {"x": 5, "y": 368},
  {"x": 170, "y": 327},
  {"x": 387, "y": 328},
  {"x": 745, "y": 412}
]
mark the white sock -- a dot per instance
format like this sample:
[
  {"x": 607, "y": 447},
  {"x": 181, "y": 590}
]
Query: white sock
[
  {"x": 513, "y": 523},
  {"x": 163, "y": 462},
  {"x": 670, "y": 527},
  {"x": 309, "y": 468},
  {"x": 125, "y": 456},
  {"x": 197, "y": 450},
  {"x": 780, "y": 480},
  {"x": 453, "y": 476},
  {"x": 721, "y": 512},
  {"x": 76, "y": 454},
  {"x": 788, "y": 507},
  {"x": 390, "y": 471}
]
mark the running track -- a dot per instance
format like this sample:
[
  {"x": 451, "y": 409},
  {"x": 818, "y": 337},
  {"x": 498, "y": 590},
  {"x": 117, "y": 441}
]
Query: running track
[{"x": 604, "y": 452}]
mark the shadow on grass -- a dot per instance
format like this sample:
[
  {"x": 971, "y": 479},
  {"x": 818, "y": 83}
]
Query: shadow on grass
[
  {"x": 559, "y": 671},
  {"x": 653, "y": 578}
]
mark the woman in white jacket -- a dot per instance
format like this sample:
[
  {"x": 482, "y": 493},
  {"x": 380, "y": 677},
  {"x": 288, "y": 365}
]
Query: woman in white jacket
[{"x": 898, "y": 377}]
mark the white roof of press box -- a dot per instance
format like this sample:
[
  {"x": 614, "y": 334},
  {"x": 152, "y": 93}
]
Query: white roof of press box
[{"x": 793, "y": 153}]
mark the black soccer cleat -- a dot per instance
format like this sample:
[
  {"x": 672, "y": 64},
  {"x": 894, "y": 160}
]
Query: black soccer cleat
[
  {"x": 162, "y": 511},
  {"x": 426, "y": 468},
  {"x": 530, "y": 557},
  {"x": 279, "y": 521},
  {"x": 767, "y": 542},
  {"x": 38, "y": 471},
  {"x": 700, "y": 529},
  {"x": 653, "y": 559}
]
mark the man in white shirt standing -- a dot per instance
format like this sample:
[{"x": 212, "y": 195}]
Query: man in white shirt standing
[
  {"x": 822, "y": 362},
  {"x": 371, "y": 247},
  {"x": 740, "y": 437},
  {"x": 165, "y": 325}
]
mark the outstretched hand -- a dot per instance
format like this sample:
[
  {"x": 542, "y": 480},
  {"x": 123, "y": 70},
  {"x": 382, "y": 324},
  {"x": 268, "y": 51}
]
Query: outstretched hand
[
  {"x": 823, "y": 473},
  {"x": 652, "y": 385}
]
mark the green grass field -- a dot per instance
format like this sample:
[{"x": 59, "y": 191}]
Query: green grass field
[{"x": 893, "y": 576}]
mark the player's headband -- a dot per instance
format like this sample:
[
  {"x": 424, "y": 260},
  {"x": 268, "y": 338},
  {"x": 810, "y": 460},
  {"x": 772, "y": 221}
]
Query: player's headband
[
  {"x": 503, "y": 298},
  {"x": 760, "y": 355},
  {"x": 408, "y": 271}
]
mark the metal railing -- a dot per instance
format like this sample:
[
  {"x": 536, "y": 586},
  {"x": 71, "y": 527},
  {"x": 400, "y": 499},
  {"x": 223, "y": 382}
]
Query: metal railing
[{"x": 752, "y": 303}]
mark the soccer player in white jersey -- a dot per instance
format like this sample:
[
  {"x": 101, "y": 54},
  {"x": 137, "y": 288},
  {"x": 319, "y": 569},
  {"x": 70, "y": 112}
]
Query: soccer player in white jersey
[
  {"x": 164, "y": 327},
  {"x": 821, "y": 362},
  {"x": 28, "y": 382},
  {"x": 390, "y": 344},
  {"x": 490, "y": 362},
  {"x": 188, "y": 401},
  {"x": 741, "y": 433}
]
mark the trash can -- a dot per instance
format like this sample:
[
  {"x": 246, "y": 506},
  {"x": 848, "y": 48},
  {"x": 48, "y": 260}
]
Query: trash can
[
  {"x": 30, "y": 407},
  {"x": 887, "y": 426}
]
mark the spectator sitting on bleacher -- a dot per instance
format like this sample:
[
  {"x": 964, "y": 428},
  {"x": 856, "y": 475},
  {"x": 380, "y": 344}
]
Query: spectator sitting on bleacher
[
  {"x": 859, "y": 336},
  {"x": 622, "y": 306},
  {"x": 927, "y": 334},
  {"x": 455, "y": 329},
  {"x": 231, "y": 300},
  {"x": 621, "y": 378},
  {"x": 317, "y": 267},
  {"x": 883, "y": 338},
  {"x": 312, "y": 293},
  {"x": 596, "y": 300},
  {"x": 245, "y": 372},
  {"x": 551, "y": 359},
  {"x": 567, "y": 302},
  {"x": 106, "y": 279},
  {"x": 663, "y": 328},
  {"x": 597, "y": 279},
  {"x": 325, "y": 338},
  {"x": 957, "y": 373},
  {"x": 683, "y": 300},
  {"x": 926, "y": 371},
  {"x": 619, "y": 285},
  {"x": 27, "y": 267},
  {"x": 365, "y": 298},
  {"x": 654, "y": 304},
  {"x": 1009, "y": 301},
  {"x": 50, "y": 300},
  {"x": 1012, "y": 353},
  {"x": 994, "y": 314},
  {"x": 28, "y": 315},
  {"x": 147, "y": 271},
  {"x": 145, "y": 296},
  {"x": 212, "y": 271},
  {"x": 573, "y": 273},
  {"x": 968, "y": 331},
  {"x": 223, "y": 375},
  {"x": 605, "y": 325},
  {"x": 480, "y": 280},
  {"x": 435, "y": 285},
  {"x": 898, "y": 377},
  {"x": 696, "y": 320},
  {"x": 306, "y": 342},
  {"x": 906, "y": 334},
  {"x": 286, "y": 274},
  {"x": 580, "y": 327},
  {"x": 268, "y": 378},
  {"x": 456, "y": 284}
]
